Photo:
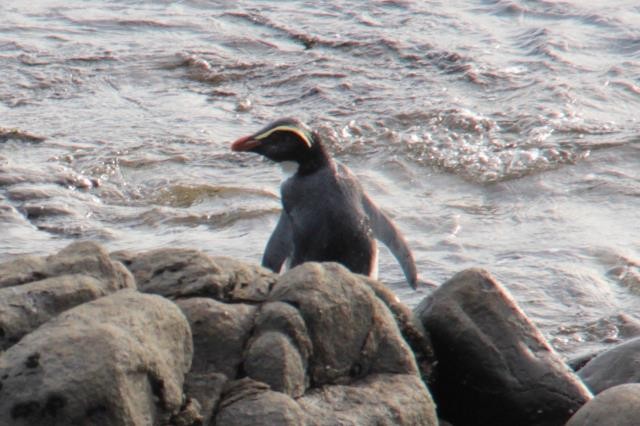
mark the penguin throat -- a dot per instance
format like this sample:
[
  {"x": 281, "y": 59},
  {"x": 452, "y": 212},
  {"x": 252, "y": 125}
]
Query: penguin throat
[{"x": 289, "y": 168}]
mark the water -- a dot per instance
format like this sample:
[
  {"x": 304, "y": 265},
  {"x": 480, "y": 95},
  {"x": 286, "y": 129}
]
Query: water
[{"x": 499, "y": 134}]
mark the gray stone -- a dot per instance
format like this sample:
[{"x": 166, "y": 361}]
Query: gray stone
[
  {"x": 274, "y": 360},
  {"x": 352, "y": 331},
  {"x": 84, "y": 257},
  {"x": 279, "y": 349},
  {"x": 250, "y": 403},
  {"x": 34, "y": 290},
  {"x": 619, "y": 406},
  {"x": 118, "y": 360},
  {"x": 618, "y": 365},
  {"x": 385, "y": 399},
  {"x": 206, "y": 388},
  {"x": 411, "y": 328},
  {"x": 494, "y": 366},
  {"x": 220, "y": 333},
  {"x": 180, "y": 273}
]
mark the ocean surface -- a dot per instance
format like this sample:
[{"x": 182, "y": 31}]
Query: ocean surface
[{"x": 498, "y": 134}]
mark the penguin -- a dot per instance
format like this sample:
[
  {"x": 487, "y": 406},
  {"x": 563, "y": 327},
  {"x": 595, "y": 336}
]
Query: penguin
[{"x": 326, "y": 214}]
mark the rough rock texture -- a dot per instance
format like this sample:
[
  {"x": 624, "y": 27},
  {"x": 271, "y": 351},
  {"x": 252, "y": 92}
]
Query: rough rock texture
[
  {"x": 411, "y": 328},
  {"x": 179, "y": 273},
  {"x": 617, "y": 406},
  {"x": 206, "y": 388},
  {"x": 494, "y": 366},
  {"x": 217, "y": 343},
  {"x": 326, "y": 339},
  {"x": 118, "y": 360},
  {"x": 248, "y": 403},
  {"x": 375, "y": 400},
  {"x": 615, "y": 366},
  {"x": 352, "y": 332},
  {"x": 220, "y": 332},
  {"x": 33, "y": 289}
]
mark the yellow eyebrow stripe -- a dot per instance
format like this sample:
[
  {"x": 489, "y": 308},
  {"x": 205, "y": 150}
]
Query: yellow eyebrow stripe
[{"x": 286, "y": 129}]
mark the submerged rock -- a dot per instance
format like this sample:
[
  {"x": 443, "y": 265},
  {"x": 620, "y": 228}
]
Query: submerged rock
[
  {"x": 494, "y": 366},
  {"x": 615, "y": 366},
  {"x": 619, "y": 406}
]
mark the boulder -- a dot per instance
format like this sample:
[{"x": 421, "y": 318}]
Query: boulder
[
  {"x": 247, "y": 402},
  {"x": 118, "y": 360},
  {"x": 220, "y": 333},
  {"x": 352, "y": 332},
  {"x": 279, "y": 349},
  {"x": 206, "y": 388},
  {"x": 618, "y": 365},
  {"x": 494, "y": 366},
  {"x": 180, "y": 273},
  {"x": 378, "y": 399},
  {"x": 411, "y": 328},
  {"x": 274, "y": 360},
  {"x": 619, "y": 406},
  {"x": 33, "y": 289}
]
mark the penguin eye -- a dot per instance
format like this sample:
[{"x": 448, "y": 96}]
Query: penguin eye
[{"x": 298, "y": 132}]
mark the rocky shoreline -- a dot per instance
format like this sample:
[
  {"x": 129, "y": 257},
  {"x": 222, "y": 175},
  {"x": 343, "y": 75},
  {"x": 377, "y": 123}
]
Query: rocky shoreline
[{"x": 176, "y": 337}]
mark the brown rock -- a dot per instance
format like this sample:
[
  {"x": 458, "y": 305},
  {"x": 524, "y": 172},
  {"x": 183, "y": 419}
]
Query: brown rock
[
  {"x": 619, "y": 406},
  {"x": 181, "y": 273},
  {"x": 352, "y": 332},
  {"x": 381, "y": 399},
  {"x": 220, "y": 334},
  {"x": 251, "y": 403},
  {"x": 118, "y": 360},
  {"x": 494, "y": 366},
  {"x": 33, "y": 290}
]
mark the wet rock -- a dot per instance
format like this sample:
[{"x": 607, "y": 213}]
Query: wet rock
[
  {"x": 376, "y": 400},
  {"x": 220, "y": 333},
  {"x": 352, "y": 332},
  {"x": 118, "y": 360},
  {"x": 251, "y": 403},
  {"x": 619, "y": 406},
  {"x": 494, "y": 366},
  {"x": 33, "y": 290},
  {"x": 180, "y": 273},
  {"x": 613, "y": 367},
  {"x": 18, "y": 135}
]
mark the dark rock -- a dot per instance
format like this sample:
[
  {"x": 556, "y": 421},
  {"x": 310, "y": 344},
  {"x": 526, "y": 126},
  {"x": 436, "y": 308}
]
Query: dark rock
[
  {"x": 220, "y": 333},
  {"x": 180, "y": 273},
  {"x": 118, "y": 360},
  {"x": 383, "y": 399},
  {"x": 251, "y": 403},
  {"x": 619, "y": 406},
  {"x": 615, "y": 366},
  {"x": 494, "y": 366},
  {"x": 34, "y": 290},
  {"x": 206, "y": 388},
  {"x": 18, "y": 135}
]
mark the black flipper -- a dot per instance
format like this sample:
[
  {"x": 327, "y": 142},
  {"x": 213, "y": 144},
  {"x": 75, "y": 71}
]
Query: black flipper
[
  {"x": 384, "y": 230},
  {"x": 280, "y": 245}
]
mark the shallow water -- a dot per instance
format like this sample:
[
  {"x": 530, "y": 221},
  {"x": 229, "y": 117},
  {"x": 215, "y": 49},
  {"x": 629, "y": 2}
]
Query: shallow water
[{"x": 499, "y": 134}]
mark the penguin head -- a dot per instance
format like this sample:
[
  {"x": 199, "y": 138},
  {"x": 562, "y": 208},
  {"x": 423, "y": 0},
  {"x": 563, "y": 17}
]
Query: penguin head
[{"x": 287, "y": 139}]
